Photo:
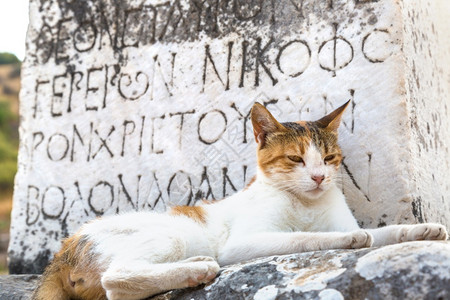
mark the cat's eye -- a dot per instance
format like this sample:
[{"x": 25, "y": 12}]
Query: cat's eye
[
  {"x": 296, "y": 158},
  {"x": 329, "y": 157}
]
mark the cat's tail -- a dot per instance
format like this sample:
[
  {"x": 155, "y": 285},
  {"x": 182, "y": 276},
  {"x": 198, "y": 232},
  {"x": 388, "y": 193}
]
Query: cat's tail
[
  {"x": 51, "y": 285},
  {"x": 73, "y": 273}
]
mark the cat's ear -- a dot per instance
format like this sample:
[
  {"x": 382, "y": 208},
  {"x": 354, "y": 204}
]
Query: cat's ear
[
  {"x": 332, "y": 120},
  {"x": 263, "y": 123}
]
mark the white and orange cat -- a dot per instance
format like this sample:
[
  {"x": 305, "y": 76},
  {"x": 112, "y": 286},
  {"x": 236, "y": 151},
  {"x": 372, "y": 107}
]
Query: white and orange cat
[{"x": 292, "y": 205}]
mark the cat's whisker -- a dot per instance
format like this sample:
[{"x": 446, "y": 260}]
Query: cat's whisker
[{"x": 344, "y": 182}]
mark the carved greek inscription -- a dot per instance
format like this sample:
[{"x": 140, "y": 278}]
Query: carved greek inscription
[
  {"x": 133, "y": 87},
  {"x": 245, "y": 119},
  {"x": 75, "y": 79},
  {"x": 44, "y": 44},
  {"x": 39, "y": 93},
  {"x": 59, "y": 83},
  {"x": 53, "y": 202},
  {"x": 103, "y": 196},
  {"x": 353, "y": 180},
  {"x": 57, "y": 147},
  {"x": 85, "y": 36},
  {"x": 208, "y": 58},
  {"x": 62, "y": 41},
  {"x": 216, "y": 117},
  {"x": 261, "y": 59},
  {"x": 296, "y": 51},
  {"x": 146, "y": 24},
  {"x": 351, "y": 125},
  {"x": 336, "y": 53},
  {"x": 158, "y": 74},
  {"x": 376, "y": 45},
  {"x": 33, "y": 208},
  {"x": 93, "y": 96},
  {"x": 181, "y": 124},
  {"x": 260, "y": 62}
]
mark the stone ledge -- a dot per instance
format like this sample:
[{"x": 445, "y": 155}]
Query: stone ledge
[
  {"x": 413, "y": 270},
  {"x": 15, "y": 287}
]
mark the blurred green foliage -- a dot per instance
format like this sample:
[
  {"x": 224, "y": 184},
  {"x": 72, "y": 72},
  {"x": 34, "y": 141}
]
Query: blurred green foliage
[
  {"x": 8, "y": 58},
  {"x": 8, "y": 146}
]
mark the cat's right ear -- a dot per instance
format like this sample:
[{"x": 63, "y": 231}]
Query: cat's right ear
[
  {"x": 263, "y": 123},
  {"x": 332, "y": 120}
]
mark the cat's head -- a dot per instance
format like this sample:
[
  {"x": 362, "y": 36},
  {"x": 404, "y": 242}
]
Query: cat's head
[{"x": 300, "y": 157}]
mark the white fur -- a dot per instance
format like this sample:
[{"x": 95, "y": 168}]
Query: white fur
[{"x": 148, "y": 253}]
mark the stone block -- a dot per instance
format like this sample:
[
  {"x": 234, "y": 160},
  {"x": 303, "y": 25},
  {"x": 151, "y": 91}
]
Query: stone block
[
  {"x": 17, "y": 287},
  {"x": 413, "y": 270},
  {"x": 137, "y": 105}
]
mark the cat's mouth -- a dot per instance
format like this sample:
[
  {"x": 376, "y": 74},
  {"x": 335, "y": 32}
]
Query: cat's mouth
[{"x": 316, "y": 190}]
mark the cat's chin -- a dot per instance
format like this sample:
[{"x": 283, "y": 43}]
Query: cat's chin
[
  {"x": 314, "y": 193},
  {"x": 309, "y": 194}
]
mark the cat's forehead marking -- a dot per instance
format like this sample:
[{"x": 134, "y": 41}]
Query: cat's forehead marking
[
  {"x": 300, "y": 128},
  {"x": 313, "y": 156},
  {"x": 304, "y": 129}
]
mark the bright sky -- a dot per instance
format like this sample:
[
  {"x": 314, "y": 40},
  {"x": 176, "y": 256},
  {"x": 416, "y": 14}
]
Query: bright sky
[{"x": 13, "y": 26}]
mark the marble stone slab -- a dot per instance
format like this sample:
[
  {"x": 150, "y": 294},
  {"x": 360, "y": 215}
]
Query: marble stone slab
[{"x": 139, "y": 105}]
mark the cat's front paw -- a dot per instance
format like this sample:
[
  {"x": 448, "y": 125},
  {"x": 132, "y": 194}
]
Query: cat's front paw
[
  {"x": 427, "y": 231},
  {"x": 199, "y": 258},
  {"x": 360, "y": 239},
  {"x": 202, "y": 271}
]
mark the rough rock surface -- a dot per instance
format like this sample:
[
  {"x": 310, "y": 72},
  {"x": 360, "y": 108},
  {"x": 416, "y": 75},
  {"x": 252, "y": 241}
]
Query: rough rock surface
[
  {"x": 138, "y": 104},
  {"x": 17, "y": 287},
  {"x": 428, "y": 95},
  {"x": 413, "y": 270}
]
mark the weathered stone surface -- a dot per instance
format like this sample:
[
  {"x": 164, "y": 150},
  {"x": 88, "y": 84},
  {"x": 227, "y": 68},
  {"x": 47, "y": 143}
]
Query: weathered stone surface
[
  {"x": 17, "y": 287},
  {"x": 132, "y": 105},
  {"x": 428, "y": 100},
  {"x": 414, "y": 270}
]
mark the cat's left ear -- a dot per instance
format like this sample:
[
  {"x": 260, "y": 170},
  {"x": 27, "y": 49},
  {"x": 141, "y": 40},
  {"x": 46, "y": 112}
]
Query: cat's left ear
[
  {"x": 332, "y": 120},
  {"x": 263, "y": 123}
]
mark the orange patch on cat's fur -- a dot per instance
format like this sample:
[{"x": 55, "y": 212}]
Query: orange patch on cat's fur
[
  {"x": 196, "y": 213},
  {"x": 250, "y": 183},
  {"x": 73, "y": 273},
  {"x": 273, "y": 158}
]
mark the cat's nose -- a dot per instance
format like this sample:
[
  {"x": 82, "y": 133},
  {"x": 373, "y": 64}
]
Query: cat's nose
[{"x": 318, "y": 178}]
